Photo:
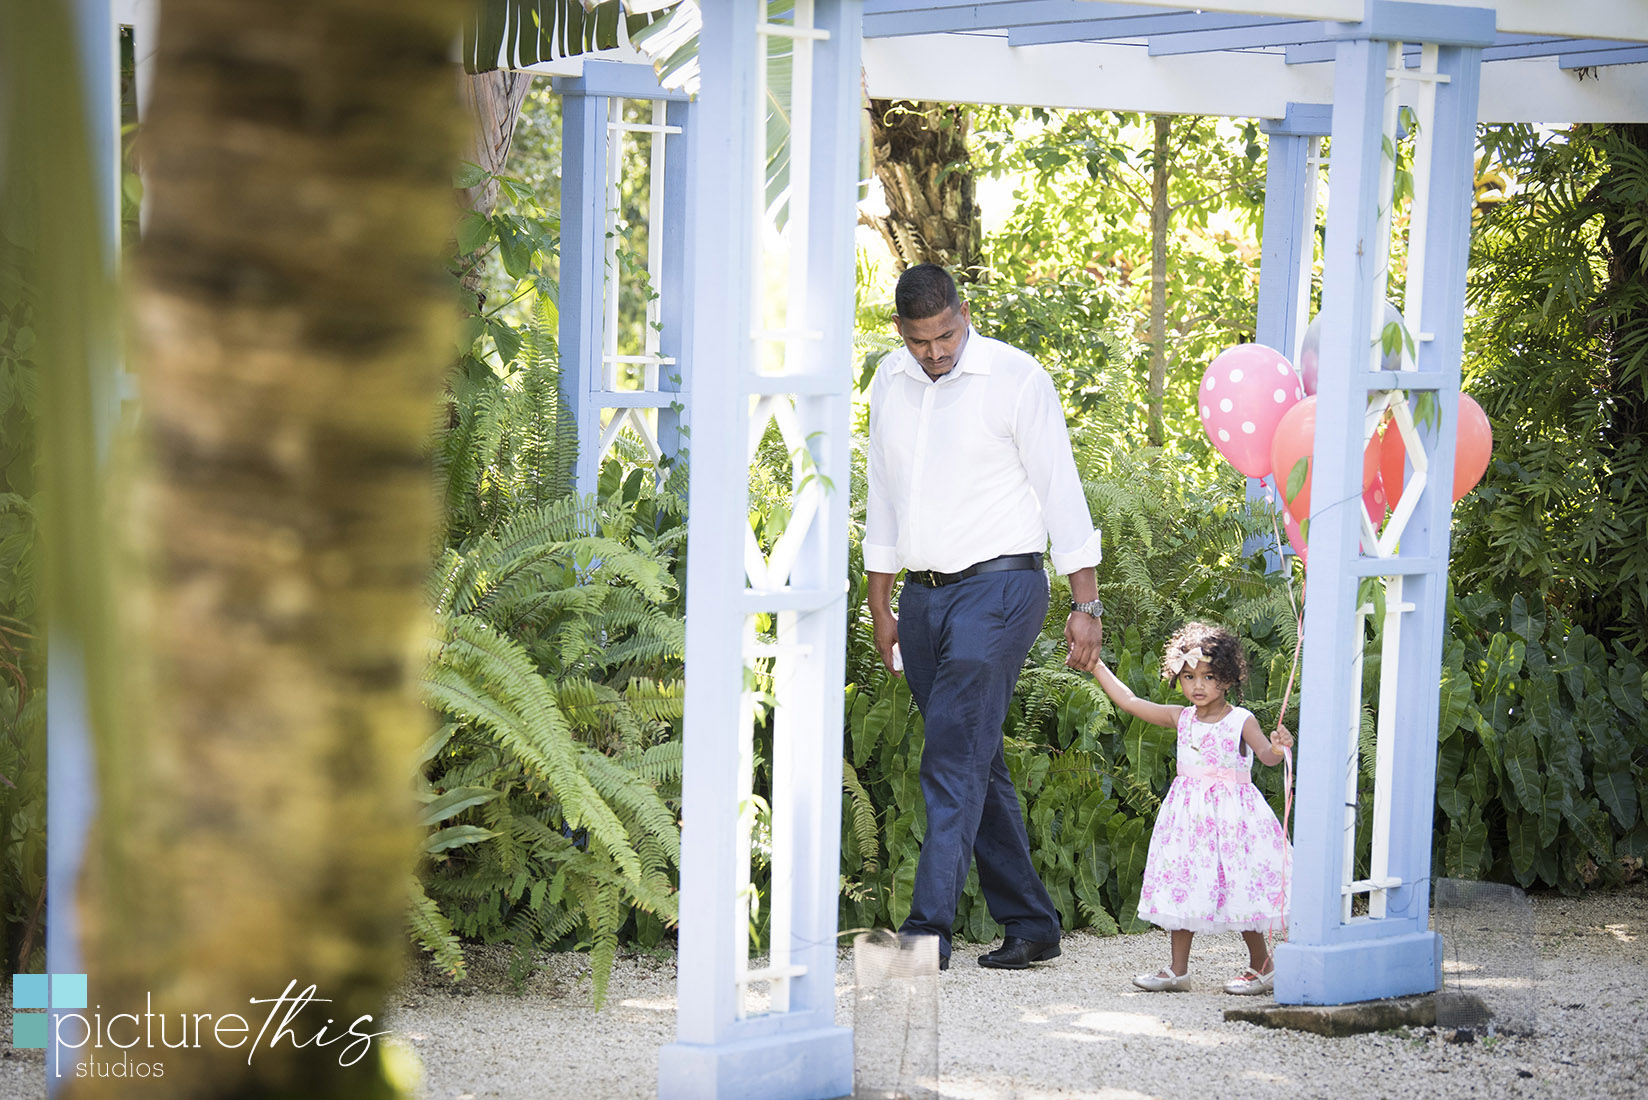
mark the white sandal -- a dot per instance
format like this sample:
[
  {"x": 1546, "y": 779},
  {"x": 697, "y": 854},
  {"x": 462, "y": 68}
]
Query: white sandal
[
  {"x": 1163, "y": 981},
  {"x": 1251, "y": 983}
]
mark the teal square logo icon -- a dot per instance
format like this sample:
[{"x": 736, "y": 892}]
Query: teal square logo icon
[
  {"x": 28, "y": 991},
  {"x": 28, "y": 1031},
  {"x": 68, "y": 991}
]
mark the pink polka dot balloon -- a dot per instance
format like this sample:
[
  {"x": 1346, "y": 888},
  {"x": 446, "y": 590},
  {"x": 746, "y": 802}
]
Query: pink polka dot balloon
[{"x": 1244, "y": 393}]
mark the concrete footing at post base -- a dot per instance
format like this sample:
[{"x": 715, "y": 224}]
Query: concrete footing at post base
[
  {"x": 802, "y": 1065},
  {"x": 1358, "y": 970},
  {"x": 1335, "y": 1021}
]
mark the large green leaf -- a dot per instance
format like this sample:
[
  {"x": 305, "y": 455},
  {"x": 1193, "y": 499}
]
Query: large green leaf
[
  {"x": 455, "y": 801},
  {"x": 1521, "y": 763},
  {"x": 1522, "y": 830},
  {"x": 526, "y": 32},
  {"x": 456, "y": 836},
  {"x": 1618, "y": 791}
]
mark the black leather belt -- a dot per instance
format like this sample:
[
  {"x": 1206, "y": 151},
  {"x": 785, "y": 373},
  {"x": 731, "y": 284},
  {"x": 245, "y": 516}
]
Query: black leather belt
[{"x": 933, "y": 579}]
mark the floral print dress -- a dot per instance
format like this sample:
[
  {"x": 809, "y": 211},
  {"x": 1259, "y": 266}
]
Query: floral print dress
[{"x": 1218, "y": 859}]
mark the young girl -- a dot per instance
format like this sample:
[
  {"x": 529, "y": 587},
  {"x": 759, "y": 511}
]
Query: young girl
[{"x": 1218, "y": 856}]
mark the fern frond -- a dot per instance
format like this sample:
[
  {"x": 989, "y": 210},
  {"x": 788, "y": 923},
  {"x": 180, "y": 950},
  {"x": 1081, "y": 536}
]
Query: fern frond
[
  {"x": 484, "y": 677},
  {"x": 433, "y": 932},
  {"x": 865, "y": 832}
]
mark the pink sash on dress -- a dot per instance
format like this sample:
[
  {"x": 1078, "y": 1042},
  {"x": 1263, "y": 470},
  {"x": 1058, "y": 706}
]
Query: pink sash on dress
[{"x": 1235, "y": 777}]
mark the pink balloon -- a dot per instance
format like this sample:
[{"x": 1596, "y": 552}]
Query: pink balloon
[
  {"x": 1245, "y": 392},
  {"x": 1310, "y": 348}
]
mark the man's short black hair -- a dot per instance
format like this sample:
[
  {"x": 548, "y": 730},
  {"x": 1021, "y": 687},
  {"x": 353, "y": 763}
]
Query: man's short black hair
[{"x": 925, "y": 290}]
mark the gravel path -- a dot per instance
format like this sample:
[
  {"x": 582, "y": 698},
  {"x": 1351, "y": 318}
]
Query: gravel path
[{"x": 1076, "y": 1030}]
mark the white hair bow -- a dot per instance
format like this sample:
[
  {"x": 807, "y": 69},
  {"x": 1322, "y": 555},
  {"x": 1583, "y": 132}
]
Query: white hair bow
[{"x": 1180, "y": 659}]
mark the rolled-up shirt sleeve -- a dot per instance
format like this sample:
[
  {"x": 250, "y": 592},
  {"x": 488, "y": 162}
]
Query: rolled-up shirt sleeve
[
  {"x": 1044, "y": 448},
  {"x": 880, "y": 518}
]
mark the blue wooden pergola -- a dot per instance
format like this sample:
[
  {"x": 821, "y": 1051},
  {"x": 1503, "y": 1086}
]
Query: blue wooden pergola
[{"x": 753, "y": 329}]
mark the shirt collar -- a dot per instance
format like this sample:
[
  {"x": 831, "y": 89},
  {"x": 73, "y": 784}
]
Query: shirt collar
[{"x": 975, "y": 359}]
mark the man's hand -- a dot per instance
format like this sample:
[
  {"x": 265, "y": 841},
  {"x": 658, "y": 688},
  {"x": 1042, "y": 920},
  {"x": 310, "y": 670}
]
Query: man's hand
[
  {"x": 881, "y": 614},
  {"x": 1085, "y": 634},
  {"x": 886, "y": 637}
]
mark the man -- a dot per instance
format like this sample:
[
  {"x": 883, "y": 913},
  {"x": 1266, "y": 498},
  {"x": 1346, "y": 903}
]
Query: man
[{"x": 970, "y": 473}]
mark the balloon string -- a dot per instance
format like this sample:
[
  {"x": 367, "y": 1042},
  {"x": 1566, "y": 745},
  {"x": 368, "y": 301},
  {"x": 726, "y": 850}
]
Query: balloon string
[
  {"x": 1278, "y": 924},
  {"x": 1278, "y": 927},
  {"x": 1298, "y": 617}
]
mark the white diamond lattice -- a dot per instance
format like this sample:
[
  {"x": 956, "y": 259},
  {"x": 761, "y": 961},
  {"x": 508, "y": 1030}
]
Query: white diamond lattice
[
  {"x": 636, "y": 418},
  {"x": 773, "y": 571},
  {"x": 1396, "y": 402}
]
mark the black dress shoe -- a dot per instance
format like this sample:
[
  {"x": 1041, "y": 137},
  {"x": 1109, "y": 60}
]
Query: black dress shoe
[
  {"x": 1017, "y": 954},
  {"x": 944, "y": 962}
]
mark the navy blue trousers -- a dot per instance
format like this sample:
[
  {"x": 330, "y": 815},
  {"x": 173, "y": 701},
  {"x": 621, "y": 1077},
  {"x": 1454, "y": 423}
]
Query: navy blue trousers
[{"x": 963, "y": 645}]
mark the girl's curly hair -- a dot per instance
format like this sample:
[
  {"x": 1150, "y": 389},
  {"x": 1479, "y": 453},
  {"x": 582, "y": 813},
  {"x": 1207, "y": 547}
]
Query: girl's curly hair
[{"x": 1221, "y": 647}]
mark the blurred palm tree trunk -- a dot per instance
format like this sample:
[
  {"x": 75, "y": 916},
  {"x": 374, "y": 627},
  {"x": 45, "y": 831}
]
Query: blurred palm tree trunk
[
  {"x": 292, "y": 323},
  {"x": 921, "y": 159}
]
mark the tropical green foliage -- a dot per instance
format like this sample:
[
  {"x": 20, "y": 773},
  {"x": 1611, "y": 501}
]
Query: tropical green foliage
[
  {"x": 1557, "y": 355},
  {"x": 1083, "y": 219},
  {"x": 1540, "y": 773},
  {"x": 556, "y": 665},
  {"x": 1543, "y": 769}
]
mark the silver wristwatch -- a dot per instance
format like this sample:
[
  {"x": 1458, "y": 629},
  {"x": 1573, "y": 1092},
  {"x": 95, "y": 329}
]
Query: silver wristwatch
[{"x": 1094, "y": 608}]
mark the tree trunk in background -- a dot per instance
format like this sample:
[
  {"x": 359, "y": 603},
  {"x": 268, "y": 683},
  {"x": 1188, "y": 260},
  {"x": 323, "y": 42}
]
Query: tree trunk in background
[
  {"x": 293, "y": 326},
  {"x": 494, "y": 102},
  {"x": 921, "y": 159},
  {"x": 1158, "y": 280}
]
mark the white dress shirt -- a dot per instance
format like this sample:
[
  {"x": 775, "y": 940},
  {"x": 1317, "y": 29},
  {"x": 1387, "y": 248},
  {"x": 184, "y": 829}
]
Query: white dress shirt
[{"x": 972, "y": 466}]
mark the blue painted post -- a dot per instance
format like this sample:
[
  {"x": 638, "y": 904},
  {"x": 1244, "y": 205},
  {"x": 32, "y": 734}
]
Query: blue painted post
[
  {"x": 1425, "y": 544},
  {"x": 676, "y": 293},
  {"x": 795, "y": 1051},
  {"x": 1290, "y": 222},
  {"x": 810, "y": 711},
  {"x": 71, "y": 793},
  {"x": 585, "y": 143},
  {"x": 1286, "y": 251},
  {"x": 583, "y": 266},
  {"x": 1329, "y": 959}
]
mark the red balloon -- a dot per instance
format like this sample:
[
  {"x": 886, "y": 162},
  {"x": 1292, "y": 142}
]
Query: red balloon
[
  {"x": 1474, "y": 445},
  {"x": 1374, "y": 496},
  {"x": 1244, "y": 393},
  {"x": 1393, "y": 457},
  {"x": 1294, "y": 440}
]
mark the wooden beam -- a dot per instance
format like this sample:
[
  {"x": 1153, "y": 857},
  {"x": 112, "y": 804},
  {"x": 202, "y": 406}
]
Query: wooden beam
[{"x": 1107, "y": 76}]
